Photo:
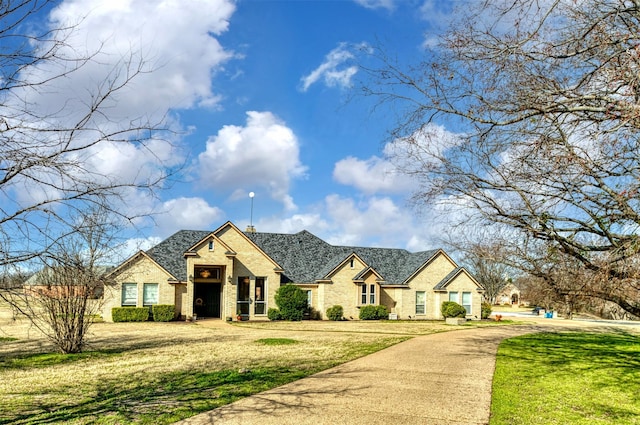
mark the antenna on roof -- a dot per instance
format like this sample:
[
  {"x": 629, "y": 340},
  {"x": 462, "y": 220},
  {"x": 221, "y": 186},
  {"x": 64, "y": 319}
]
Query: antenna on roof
[{"x": 250, "y": 228}]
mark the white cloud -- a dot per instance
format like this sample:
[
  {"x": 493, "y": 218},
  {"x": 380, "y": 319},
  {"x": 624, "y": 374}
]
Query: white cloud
[
  {"x": 337, "y": 70},
  {"x": 377, "y": 4},
  {"x": 186, "y": 213},
  {"x": 262, "y": 154},
  {"x": 373, "y": 175},
  {"x": 171, "y": 44},
  {"x": 174, "y": 39}
]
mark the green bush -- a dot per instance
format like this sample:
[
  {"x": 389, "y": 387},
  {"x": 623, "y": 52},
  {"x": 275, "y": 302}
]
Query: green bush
[
  {"x": 485, "y": 310},
  {"x": 374, "y": 312},
  {"x": 130, "y": 314},
  {"x": 453, "y": 309},
  {"x": 335, "y": 313},
  {"x": 292, "y": 302},
  {"x": 274, "y": 314},
  {"x": 163, "y": 312}
]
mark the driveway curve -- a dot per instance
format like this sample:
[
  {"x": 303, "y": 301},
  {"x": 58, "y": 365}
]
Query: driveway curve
[{"x": 443, "y": 378}]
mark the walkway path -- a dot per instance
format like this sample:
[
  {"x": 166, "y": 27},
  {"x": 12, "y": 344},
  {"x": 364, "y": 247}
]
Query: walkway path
[{"x": 434, "y": 379}]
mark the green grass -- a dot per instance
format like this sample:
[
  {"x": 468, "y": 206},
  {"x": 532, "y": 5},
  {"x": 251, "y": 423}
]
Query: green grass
[
  {"x": 7, "y": 339},
  {"x": 41, "y": 360},
  {"x": 276, "y": 341},
  {"x": 567, "y": 378}
]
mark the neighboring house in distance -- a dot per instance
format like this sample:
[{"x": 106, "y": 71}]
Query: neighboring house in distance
[
  {"x": 228, "y": 272},
  {"x": 510, "y": 295}
]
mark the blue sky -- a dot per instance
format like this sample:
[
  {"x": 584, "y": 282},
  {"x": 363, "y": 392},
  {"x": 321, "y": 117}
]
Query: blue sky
[{"x": 261, "y": 96}]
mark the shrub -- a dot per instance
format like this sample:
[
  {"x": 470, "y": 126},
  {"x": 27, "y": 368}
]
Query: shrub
[
  {"x": 274, "y": 314},
  {"x": 485, "y": 310},
  {"x": 374, "y": 312},
  {"x": 292, "y": 302},
  {"x": 314, "y": 314},
  {"x": 163, "y": 312},
  {"x": 130, "y": 314},
  {"x": 452, "y": 309},
  {"x": 335, "y": 313}
]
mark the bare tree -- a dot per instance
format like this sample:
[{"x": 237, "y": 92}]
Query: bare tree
[
  {"x": 541, "y": 99},
  {"x": 49, "y": 145},
  {"x": 64, "y": 296},
  {"x": 51, "y": 182}
]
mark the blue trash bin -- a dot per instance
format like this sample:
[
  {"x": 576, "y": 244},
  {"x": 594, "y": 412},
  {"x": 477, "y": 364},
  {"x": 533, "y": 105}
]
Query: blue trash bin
[{"x": 548, "y": 315}]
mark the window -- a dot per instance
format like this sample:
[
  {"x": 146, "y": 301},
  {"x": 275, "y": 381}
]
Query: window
[
  {"x": 453, "y": 296},
  {"x": 129, "y": 294},
  {"x": 421, "y": 302},
  {"x": 466, "y": 301},
  {"x": 309, "y": 295},
  {"x": 244, "y": 295},
  {"x": 211, "y": 245},
  {"x": 259, "y": 295},
  {"x": 351, "y": 263},
  {"x": 150, "y": 294},
  {"x": 368, "y": 293}
]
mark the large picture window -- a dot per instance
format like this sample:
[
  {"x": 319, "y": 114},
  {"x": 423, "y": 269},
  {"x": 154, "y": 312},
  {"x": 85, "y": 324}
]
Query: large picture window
[
  {"x": 150, "y": 294},
  {"x": 421, "y": 302},
  {"x": 129, "y": 294}
]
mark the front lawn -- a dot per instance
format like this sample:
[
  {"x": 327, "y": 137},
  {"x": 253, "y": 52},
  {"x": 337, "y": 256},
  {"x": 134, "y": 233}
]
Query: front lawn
[
  {"x": 567, "y": 378},
  {"x": 158, "y": 373}
]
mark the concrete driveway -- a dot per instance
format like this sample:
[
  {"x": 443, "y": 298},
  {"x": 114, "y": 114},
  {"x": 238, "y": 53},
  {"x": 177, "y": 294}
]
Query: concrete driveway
[{"x": 442, "y": 378}]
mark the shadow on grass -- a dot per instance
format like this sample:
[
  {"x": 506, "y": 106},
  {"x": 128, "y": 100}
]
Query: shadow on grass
[
  {"x": 165, "y": 398},
  {"x": 567, "y": 377},
  {"x": 571, "y": 352}
]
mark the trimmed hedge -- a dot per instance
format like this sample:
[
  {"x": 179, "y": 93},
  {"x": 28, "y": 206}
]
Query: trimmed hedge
[
  {"x": 374, "y": 312},
  {"x": 163, "y": 312},
  {"x": 485, "y": 310},
  {"x": 130, "y": 314},
  {"x": 292, "y": 302},
  {"x": 452, "y": 309},
  {"x": 274, "y": 314},
  {"x": 335, "y": 313}
]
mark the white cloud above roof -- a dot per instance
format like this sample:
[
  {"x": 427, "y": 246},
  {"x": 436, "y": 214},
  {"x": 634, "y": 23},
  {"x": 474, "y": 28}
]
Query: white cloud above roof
[
  {"x": 264, "y": 153},
  {"x": 371, "y": 176},
  {"x": 187, "y": 213}
]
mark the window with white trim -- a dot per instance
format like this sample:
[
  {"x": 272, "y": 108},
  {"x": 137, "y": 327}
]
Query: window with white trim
[
  {"x": 453, "y": 296},
  {"x": 150, "y": 294},
  {"x": 466, "y": 301},
  {"x": 129, "y": 294},
  {"x": 421, "y": 302},
  {"x": 259, "y": 295},
  {"x": 367, "y": 294},
  {"x": 309, "y": 296}
]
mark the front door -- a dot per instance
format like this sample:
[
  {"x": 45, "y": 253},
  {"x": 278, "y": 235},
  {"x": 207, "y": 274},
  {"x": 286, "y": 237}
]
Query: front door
[{"x": 207, "y": 300}]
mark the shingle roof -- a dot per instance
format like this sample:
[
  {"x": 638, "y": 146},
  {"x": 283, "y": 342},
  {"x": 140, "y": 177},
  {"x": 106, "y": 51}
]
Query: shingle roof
[
  {"x": 304, "y": 257},
  {"x": 447, "y": 279},
  {"x": 307, "y": 258},
  {"x": 170, "y": 252}
]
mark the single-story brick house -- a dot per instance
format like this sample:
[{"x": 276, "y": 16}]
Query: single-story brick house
[{"x": 228, "y": 272}]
